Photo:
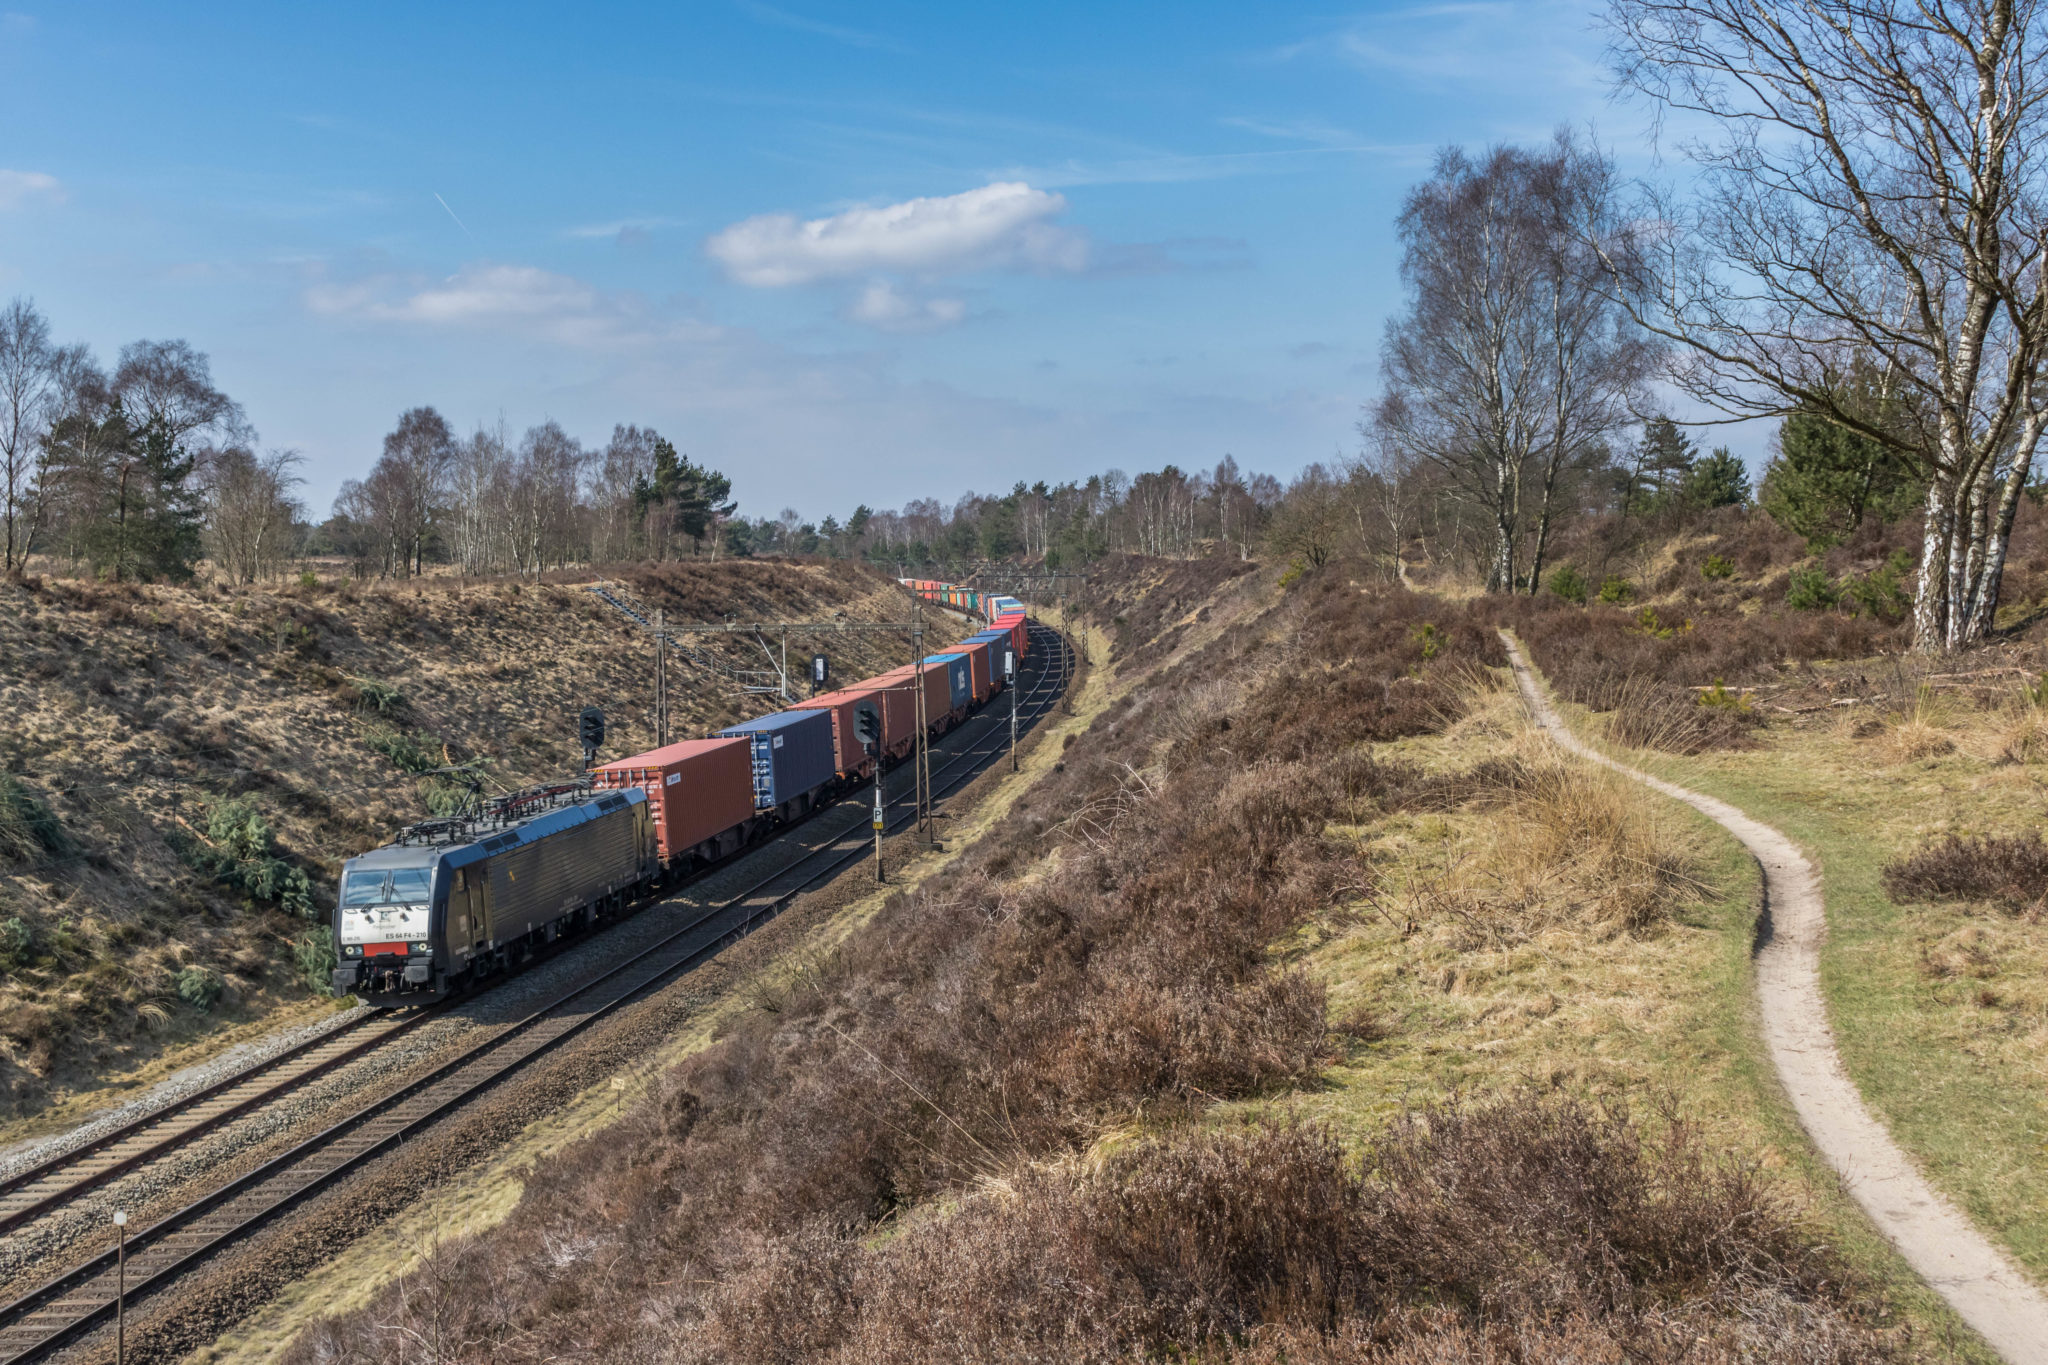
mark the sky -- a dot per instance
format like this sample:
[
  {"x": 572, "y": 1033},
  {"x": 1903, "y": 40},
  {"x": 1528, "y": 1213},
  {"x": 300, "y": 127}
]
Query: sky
[{"x": 843, "y": 253}]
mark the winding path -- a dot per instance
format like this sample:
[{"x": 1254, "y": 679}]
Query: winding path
[{"x": 1936, "y": 1239}]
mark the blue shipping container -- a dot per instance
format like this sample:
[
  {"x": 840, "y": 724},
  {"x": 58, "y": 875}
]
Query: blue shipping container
[
  {"x": 792, "y": 754},
  {"x": 959, "y": 676}
]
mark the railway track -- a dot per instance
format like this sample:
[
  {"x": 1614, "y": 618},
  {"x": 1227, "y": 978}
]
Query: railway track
[
  {"x": 30, "y": 1193},
  {"x": 45, "y": 1319}
]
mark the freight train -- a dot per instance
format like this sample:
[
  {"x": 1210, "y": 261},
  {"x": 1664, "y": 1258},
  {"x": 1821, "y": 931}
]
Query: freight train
[{"x": 456, "y": 901}]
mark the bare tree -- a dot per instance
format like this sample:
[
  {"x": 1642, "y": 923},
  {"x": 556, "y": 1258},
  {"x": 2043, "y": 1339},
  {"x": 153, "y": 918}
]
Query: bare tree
[
  {"x": 250, "y": 511},
  {"x": 29, "y": 374},
  {"x": 171, "y": 384},
  {"x": 1873, "y": 198},
  {"x": 479, "y": 489},
  {"x": 410, "y": 483},
  {"x": 1511, "y": 362},
  {"x": 1310, "y": 523},
  {"x": 545, "y": 482},
  {"x": 626, "y": 465}
]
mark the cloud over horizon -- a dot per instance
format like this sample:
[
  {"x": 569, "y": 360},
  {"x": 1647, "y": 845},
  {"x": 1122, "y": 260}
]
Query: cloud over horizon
[
  {"x": 19, "y": 187},
  {"x": 506, "y": 297},
  {"x": 999, "y": 226}
]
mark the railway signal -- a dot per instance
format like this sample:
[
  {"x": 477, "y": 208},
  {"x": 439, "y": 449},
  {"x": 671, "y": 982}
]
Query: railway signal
[
  {"x": 821, "y": 673},
  {"x": 590, "y": 729}
]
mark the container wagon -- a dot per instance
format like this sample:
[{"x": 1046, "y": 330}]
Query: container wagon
[
  {"x": 793, "y": 761},
  {"x": 700, "y": 795}
]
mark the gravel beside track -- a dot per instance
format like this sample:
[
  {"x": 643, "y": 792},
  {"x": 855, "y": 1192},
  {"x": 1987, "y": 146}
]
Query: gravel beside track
[
  {"x": 240, "y": 1276},
  {"x": 173, "y": 1088}
]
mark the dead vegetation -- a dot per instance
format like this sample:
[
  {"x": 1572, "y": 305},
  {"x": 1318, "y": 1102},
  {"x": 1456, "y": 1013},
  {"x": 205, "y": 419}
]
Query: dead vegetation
[
  {"x": 2008, "y": 869},
  {"x": 976, "y": 1131},
  {"x": 179, "y": 763}
]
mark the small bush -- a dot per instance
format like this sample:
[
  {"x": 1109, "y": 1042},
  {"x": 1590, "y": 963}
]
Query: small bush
[
  {"x": 239, "y": 851},
  {"x": 1431, "y": 640},
  {"x": 20, "y": 945},
  {"x": 1296, "y": 571},
  {"x": 309, "y": 579},
  {"x": 1720, "y": 698},
  {"x": 1567, "y": 582},
  {"x": 2011, "y": 869},
  {"x": 1615, "y": 590},
  {"x": 315, "y": 960},
  {"x": 1717, "y": 567},
  {"x": 28, "y": 827},
  {"x": 1812, "y": 590},
  {"x": 1648, "y": 623},
  {"x": 367, "y": 694},
  {"x": 198, "y": 987},
  {"x": 1882, "y": 592},
  {"x": 412, "y": 752}
]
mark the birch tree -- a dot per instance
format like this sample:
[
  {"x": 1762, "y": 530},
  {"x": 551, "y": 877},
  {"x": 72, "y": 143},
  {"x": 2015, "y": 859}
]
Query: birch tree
[
  {"x": 29, "y": 373},
  {"x": 1511, "y": 361},
  {"x": 1869, "y": 196}
]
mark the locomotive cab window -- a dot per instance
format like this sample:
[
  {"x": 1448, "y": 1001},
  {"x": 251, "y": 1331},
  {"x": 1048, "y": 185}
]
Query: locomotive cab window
[
  {"x": 461, "y": 879},
  {"x": 363, "y": 888},
  {"x": 410, "y": 883}
]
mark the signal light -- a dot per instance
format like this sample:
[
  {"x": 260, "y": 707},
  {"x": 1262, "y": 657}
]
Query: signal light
[
  {"x": 590, "y": 729},
  {"x": 867, "y": 724}
]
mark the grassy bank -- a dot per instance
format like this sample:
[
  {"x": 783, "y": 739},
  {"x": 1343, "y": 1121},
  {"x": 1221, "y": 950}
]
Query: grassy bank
[
  {"x": 1940, "y": 1009},
  {"x": 1156, "y": 1069}
]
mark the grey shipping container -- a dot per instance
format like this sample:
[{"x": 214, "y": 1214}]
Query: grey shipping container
[
  {"x": 959, "y": 676},
  {"x": 792, "y": 752}
]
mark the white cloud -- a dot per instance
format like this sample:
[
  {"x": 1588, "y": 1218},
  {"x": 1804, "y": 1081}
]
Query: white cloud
[
  {"x": 1004, "y": 225},
  {"x": 882, "y": 305},
  {"x": 623, "y": 229},
  {"x": 516, "y": 298},
  {"x": 19, "y": 187}
]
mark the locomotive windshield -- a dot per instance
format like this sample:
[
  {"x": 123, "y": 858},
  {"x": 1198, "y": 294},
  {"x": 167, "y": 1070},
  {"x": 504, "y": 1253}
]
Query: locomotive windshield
[{"x": 397, "y": 886}]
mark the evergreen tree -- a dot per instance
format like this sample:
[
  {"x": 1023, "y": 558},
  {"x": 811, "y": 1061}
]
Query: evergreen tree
[
  {"x": 689, "y": 498},
  {"x": 1717, "y": 480},
  {"x": 128, "y": 490},
  {"x": 1826, "y": 479},
  {"x": 1658, "y": 468}
]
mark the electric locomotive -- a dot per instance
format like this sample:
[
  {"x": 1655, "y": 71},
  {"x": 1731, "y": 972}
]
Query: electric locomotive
[{"x": 460, "y": 899}]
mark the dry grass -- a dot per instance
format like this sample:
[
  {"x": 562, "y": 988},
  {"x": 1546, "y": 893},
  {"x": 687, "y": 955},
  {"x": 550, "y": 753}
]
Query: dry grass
[
  {"x": 133, "y": 709},
  {"x": 985, "y": 1126},
  {"x": 1936, "y": 975}
]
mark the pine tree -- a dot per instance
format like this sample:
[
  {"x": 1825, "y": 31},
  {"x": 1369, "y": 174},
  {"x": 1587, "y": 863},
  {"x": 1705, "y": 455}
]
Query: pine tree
[
  {"x": 1826, "y": 479},
  {"x": 1658, "y": 469},
  {"x": 1717, "y": 480}
]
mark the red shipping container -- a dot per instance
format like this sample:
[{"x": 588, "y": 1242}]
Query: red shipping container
[
  {"x": 696, "y": 790},
  {"x": 1014, "y": 623}
]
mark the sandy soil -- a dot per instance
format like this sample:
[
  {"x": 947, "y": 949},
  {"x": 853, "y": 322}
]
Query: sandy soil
[{"x": 1984, "y": 1288}]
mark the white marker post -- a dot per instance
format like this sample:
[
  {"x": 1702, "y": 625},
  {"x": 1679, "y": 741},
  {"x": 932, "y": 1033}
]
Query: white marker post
[
  {"x": 1010, "y": 680},
  {"x": 121, "y": 1287},
  {"x": 878, "y": 822}
]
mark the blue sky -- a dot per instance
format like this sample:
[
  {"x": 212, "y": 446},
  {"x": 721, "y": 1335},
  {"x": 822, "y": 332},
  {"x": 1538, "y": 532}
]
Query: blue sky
[{"x": 842, "y": 252}]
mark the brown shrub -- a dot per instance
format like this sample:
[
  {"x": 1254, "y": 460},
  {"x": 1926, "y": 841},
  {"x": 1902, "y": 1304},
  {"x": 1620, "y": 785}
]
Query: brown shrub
[
  {"x": 1533, "y": 1219},
  {"x": 2011, "y": 869}
]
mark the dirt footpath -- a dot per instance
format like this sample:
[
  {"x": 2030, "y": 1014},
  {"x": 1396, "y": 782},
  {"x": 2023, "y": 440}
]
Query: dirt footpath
[{"x": 1984, "y": 1288}]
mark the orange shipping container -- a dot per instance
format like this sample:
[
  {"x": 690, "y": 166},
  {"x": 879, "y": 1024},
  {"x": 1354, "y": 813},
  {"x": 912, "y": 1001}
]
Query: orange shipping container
[
  {"x": 896, "y": 707},
  {"x": 696, "y": 790},
  {"x": 938, "y": 692}
]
